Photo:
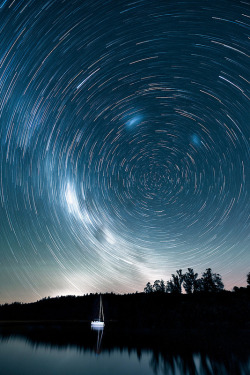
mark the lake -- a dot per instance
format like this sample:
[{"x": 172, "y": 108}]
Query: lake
[{"x": 39, "y": 349}]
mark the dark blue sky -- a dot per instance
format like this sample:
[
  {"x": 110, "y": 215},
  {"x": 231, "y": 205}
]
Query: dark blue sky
[{"x": 124, "y": 133}]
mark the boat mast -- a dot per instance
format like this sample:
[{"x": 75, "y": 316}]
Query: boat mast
[
  {"x": 101, "y": 314},
  {"x": 100, "y": 309}
]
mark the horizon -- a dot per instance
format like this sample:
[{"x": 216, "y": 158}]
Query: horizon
[
  {"x": 125, "y": 150},
  {"x": 111, "y": 292}
]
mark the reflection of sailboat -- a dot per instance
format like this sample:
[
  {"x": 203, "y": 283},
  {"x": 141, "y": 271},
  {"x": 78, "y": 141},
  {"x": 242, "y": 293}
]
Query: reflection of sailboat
[
  {"x": 99, "y": 323},
  {"x": 99, "y": 338}
]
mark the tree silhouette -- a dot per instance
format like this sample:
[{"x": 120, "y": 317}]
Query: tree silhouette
[
  {"x": 174, "y": 284},
  {"x": 248, "y": 279},
  {"x": 157, "y": 286},
  {"x": 190, "y": 281},
  {"x": 162, "y": 286},
  {"x": 148, "y": 288},
  {"x": 198, "y": 285},
  {"x": 170, "y": 288},
  {"x": 236, "y": 289},
  {"x": 211, "y": 282}
]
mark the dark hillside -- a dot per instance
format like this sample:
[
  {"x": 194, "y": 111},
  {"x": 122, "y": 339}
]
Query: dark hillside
[{"x": 140, "y": 310}]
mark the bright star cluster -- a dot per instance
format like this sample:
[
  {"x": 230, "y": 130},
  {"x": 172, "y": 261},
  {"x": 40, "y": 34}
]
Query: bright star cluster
[{"x": 125, "y": 155}]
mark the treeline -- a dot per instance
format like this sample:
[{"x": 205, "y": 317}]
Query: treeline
[
  {"x": 156, "y": 309},
  {"x": 209, "y": 282}
]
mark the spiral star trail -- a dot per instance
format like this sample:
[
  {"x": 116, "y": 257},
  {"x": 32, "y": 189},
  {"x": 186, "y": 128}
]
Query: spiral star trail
[{"x": 124, "y": 133}]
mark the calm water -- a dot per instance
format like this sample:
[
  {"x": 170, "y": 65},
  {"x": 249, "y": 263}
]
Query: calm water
[{"x": 30, "y": 355}]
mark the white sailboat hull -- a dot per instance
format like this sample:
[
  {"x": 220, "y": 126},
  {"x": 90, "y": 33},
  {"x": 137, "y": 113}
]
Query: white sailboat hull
[{"x": 96, "y": 324}]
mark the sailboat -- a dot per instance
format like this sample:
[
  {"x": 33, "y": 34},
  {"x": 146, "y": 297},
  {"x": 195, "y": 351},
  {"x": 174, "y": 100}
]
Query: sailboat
[{"x": 99, "y": 323}]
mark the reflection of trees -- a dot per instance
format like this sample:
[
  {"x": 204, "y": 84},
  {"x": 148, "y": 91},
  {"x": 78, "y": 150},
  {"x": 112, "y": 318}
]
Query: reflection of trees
[
  {"x": 199, "y": 364},
  {"x": 155, "y": 362},
  {"x": 170, "y": 364},
  {"x": 169, "y": 355}
]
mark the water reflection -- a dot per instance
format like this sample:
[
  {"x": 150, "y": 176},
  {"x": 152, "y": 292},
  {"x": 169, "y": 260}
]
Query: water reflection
[
  {"x": 118, "y": 353},
  {"x": 200, "y": 364},
  {"x": 99, "y": 331}
]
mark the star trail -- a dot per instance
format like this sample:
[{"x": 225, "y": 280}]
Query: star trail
[{"x": 124, "y": 132}]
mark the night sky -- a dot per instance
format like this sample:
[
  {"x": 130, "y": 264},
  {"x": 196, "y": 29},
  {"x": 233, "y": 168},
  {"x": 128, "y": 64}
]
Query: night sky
[{"x": 124, "y": 129}]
